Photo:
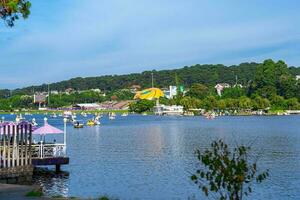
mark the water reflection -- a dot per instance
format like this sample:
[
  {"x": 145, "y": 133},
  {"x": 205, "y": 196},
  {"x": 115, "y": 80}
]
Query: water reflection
[
  {"x": 57, "y": 182},
  {"x": 149, "y": 157}
]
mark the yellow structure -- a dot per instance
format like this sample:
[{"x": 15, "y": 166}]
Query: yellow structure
[{"x": 149, "y": 94}]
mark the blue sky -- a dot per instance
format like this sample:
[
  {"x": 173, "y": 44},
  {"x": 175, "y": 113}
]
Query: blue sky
[{"x": 70, "y": 38}]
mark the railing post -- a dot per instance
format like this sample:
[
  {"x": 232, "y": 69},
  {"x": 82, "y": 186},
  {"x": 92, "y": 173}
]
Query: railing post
[
  {"x": 8, "y": 146},
  {"x": 4, "y": 147},
  {"x": 30, "y": 142}
]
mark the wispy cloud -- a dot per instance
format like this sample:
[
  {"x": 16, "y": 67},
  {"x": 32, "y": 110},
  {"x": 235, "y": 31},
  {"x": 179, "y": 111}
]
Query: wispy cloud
[{"x": 64, "y": 39}]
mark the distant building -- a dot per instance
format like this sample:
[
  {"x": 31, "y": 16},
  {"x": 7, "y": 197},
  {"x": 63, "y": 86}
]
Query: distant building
[
  {"x": 54, "y": 92},
  {"x": 87, "y": 106},
  {"x": 96, "y": 90},
  {"x": 170, "y": 92},
  {"x": 135, "y": 88},
  {"x": 69, "y": 90},
  {"x": 220, "y": 87},
  {"x": 298, "y": 77},
  {"x": 168, "y": 110},
  {"x": 40, "y": 98},
  {"x": 115, "y": 105}
]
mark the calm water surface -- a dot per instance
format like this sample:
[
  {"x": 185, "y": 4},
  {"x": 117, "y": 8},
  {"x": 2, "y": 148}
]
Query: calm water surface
[{"x": 150, "y": 157}]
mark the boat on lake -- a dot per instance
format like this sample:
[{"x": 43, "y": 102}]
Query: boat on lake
[
  {"x": 112, "y": 115},
  {"x": 124, "y": 115},
  {"x": 53, "y": 115},
  {"x": 78, "y": 124}
]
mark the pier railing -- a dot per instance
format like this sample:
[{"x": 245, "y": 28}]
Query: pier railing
[
  {"x": 48, "y": 150},
  {"x": 15, "y": 144}
]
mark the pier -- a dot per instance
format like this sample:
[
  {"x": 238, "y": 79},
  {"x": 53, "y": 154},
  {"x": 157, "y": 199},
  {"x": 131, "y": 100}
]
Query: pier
[
  {"x": 15, "y": 152},
  {"x": 19, "y": 155}
]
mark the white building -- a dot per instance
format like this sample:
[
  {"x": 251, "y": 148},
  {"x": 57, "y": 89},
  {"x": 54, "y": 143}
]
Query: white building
[
  {"x": 54, "y": 92},
  {"x": 168, "y": 110},
  {"x": 220, "y": 87},
  {"x": 298, "y": 77},
  {"x": 87, "y": 106},
  {"x": 169, "y": 94},
  {"x": 96, "y": 90}
]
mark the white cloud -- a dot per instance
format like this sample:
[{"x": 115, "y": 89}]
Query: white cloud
[{"x": 89, "y": 38}]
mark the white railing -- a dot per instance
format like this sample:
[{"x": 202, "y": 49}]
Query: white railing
[{"x": 48, "y": 150}]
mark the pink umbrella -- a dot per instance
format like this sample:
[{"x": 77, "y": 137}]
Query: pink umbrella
[{"x": 47, "y": 129}]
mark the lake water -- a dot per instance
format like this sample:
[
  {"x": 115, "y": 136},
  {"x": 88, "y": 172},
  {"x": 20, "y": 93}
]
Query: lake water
[{"x": 151, "y": 157}]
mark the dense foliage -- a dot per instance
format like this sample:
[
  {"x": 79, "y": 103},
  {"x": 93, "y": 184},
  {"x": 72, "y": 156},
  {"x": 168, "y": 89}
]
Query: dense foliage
[
  {"x": 141, "y": 106},
  {"x": 225, "y": 173},
  {"x": 11, "y": 10},
  {"x": 266, "y": 86}
]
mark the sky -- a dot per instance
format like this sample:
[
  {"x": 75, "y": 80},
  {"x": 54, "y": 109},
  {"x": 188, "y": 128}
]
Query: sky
[{"x": 63, "y": 39}]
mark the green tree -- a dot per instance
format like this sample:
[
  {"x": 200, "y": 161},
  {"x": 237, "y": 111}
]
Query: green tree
[
  {"x": 267, "y": 91},
  {"x": 11, "y": 10},
  {"x": 221, "y": 104},
  {"x": 198, "y": 90},
  {"x": 260, "y": 103},
  {"x": 210, "y": 103},
  {"x": 189, "y": 102},
  {"x": 292, "y": 104},
  {"x": 277, "y": 102},
  {"x": 234, "y": 92},
  {"x": 245, "y": 103},
  {"x": 141, "y": 106},
  {"x": 288, "y": 86},
  {"x": 228, "y": 174}
]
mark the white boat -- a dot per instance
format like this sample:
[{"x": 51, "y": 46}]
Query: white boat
[
  {"x": 53, "y": 115},
  {"x": 34, "y": 122},
  {"x": 124, "y": 115},
  {"x": 20, "y": 118},
  {"x": 112, "y": 115},
  {"x": 97, "y": 120}
]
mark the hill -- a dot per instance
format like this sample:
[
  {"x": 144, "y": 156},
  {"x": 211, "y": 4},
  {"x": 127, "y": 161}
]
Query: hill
[{"x": 205, "y": 74}]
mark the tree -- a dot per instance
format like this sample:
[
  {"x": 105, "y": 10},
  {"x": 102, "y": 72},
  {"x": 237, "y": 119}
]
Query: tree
[
  {"x": 234, "y": 92},
  {"x": 260, "y": 103},
  {"x": 210, "y": 103},
  {"x": 221, "y": 104},
  {"x": 278, "y": 102},
  {"x": 293, "y": 104},
  {"x": 189, "y": 102},
  {"x": 268, "y": 74},
  {"x": 141, "y": 106},
  {"x": 229, "y": 174},
  {"x": 198, "y": 90},
  {"x": 288, "y": 86},
  {"x": 11, "y": 10},
  {"x": 245, "y": 103}
]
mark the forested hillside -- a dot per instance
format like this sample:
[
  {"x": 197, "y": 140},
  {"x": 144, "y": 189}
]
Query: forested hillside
[{"x": 205, "y": 74}]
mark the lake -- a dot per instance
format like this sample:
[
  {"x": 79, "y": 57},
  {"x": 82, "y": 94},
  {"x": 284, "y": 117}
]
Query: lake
[{"x": 151, "y": 157}]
